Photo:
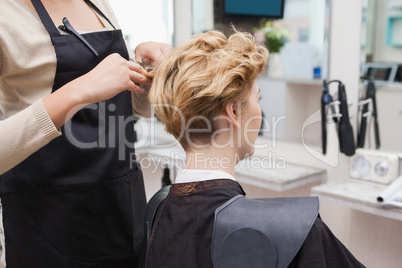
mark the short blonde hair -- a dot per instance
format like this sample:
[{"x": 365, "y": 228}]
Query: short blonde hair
[{"x": 199, "y": 78}]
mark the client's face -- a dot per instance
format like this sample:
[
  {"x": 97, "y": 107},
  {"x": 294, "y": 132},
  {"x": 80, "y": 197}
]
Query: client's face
[{"x": 250, "y": 122}]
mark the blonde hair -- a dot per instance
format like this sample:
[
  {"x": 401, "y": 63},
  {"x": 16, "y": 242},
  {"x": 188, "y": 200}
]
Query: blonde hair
[{"x": 199, "y": 78}]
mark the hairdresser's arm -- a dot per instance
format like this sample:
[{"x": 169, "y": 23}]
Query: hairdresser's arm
[
  {"x": 112, "y": 76},
  {"x": 24, "y": 133},
  {"x": 32, "y": 128}
]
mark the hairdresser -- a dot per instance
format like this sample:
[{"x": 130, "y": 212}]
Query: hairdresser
[{"x": 68, "y": 91}]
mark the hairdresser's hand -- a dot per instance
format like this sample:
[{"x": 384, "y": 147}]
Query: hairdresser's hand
[
  {"x": 110, "y": 77},
  {"x": 152, "y": 51}
]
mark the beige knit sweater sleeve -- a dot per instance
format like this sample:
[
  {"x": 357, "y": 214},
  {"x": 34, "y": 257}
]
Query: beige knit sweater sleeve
[
  {"x": 31, "y": 129},
  {"x": 27, "y": 66}
]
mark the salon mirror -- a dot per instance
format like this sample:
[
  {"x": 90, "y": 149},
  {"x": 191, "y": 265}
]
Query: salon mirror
[{"x": 381, "y": 56}]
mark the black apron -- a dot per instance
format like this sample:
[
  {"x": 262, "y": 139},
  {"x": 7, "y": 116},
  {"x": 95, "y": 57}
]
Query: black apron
[{"x": 79, "y": 201}]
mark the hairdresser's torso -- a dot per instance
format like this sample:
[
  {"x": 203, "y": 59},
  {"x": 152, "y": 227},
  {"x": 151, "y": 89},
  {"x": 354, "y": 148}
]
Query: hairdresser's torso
[
  {"x": 27, "y": 56},
  {"x": 67, "y": 205}
]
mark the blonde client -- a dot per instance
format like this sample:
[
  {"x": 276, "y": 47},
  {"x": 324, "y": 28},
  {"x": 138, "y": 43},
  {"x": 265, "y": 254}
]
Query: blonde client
[{"x": 205, "y": 93}]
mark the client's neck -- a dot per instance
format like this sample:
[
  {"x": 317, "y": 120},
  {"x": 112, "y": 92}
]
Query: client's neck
[{"x": 212, "y": 158}]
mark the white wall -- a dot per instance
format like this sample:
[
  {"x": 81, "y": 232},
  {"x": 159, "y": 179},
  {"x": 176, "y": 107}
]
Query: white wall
[
  {"x": 203, "y": 16},
  {"x": 182, "y": 21}
]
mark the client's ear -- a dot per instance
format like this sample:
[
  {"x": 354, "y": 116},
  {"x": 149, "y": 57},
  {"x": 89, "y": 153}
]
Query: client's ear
[{"x": 232, "y": 111}]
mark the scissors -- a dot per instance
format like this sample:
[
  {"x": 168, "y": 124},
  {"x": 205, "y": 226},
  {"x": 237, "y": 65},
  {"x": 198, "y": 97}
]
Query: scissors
[{"x": 144, "y": 64}]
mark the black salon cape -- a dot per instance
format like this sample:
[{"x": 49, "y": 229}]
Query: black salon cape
[{"x": 183, "y": 229}]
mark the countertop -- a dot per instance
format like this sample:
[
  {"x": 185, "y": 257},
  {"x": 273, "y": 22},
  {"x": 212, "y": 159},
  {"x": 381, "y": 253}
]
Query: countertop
[{"x": 357, "y": 194}]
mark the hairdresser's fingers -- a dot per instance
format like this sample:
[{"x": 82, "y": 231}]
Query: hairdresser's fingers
[
  {"x": 133, "y": 87},
  {"x": 138, "y": 78},
  {"x": 138, "y": 74}
]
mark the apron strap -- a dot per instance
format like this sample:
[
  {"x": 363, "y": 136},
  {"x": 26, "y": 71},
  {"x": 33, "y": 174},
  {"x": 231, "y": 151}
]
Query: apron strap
[
  {"x": 48, "y": 22},
  {"x": 45, "y": 18},
  {"x": 97, "y": 10}
]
